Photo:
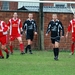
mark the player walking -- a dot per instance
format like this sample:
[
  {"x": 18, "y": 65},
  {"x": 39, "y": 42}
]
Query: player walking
[
  {"x": 3, "y": 39},
  {"x": 30, "y": 29},
  {"x": 15, "y": 26},
  {"x": 55, "y": 26},
  {"x": 71, "y": 28}
]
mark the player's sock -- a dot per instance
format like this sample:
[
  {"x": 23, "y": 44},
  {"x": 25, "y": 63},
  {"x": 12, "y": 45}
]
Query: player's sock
[
  {"x": 1, "y": 54},
  {"x": 72, "y": 48},
  {"x": 54, "y": 52},
  {"x": 6, "y": 50},
  {"x": 57, "y": 52},
  {"x": 11, "y": 48},
  {"x": 21, "y": 47},
  {"x": 26, "y": 49},
  {"x": 7, "y": 53}
]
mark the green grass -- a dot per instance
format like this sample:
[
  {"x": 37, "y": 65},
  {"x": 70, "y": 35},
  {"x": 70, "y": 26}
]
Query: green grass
[{"x": 40, "y": 63}]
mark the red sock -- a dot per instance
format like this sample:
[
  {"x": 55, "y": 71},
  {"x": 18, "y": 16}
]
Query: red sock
[
  {"x": 1, "y": 54},
  {"x": 11, "y": 48},
  {"x": 72, "y": 48},
  {"x": 21, "y": 47},
  {"x": 6, "y": 50}
]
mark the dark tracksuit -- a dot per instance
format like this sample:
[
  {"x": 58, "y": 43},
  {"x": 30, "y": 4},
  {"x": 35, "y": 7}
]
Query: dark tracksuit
[
  {"x": 30, "y": 27},
  {"x": 55, "y": 27}
]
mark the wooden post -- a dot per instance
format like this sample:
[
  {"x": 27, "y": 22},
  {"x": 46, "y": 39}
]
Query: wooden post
[{"x": 41, "y": 27}]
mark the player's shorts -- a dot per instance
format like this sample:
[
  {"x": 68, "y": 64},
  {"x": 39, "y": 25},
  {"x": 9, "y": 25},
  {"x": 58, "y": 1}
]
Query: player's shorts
[
  {"x": 13, "y": 37},
  {"x": 30, "y": 36},
  {"x": 53, "y": 40},
  {"x": 3, "y": 40}
]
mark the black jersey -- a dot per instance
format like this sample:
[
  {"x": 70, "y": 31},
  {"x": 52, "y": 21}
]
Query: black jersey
[
  {"x": 30, "y": 26},
  {"x": 55, "y": 27}
]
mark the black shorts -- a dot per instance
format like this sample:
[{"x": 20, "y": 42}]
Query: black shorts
[
  {"x": 30, "y": 36},
  {"x": 56, "y": 39}
]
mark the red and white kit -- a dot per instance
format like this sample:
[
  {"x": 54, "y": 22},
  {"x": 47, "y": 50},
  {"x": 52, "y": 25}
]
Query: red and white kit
[
  {"x": 3, "y": 32},
  {"x": 14, "y": 26},
  {"x": 71, "y": 27}
]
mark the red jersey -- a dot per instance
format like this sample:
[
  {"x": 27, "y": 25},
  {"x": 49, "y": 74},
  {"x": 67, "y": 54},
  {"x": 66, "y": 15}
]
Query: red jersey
[
  {"x": 14, "y": 25},
  {"x": 3, "y": 28},
  {"x": 71, "y": 27}
]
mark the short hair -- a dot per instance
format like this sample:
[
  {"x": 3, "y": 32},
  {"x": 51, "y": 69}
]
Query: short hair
[
  {"x": 15, "y": 12},
  {"x": 30, "y": 13},
  {"x": 54, "y": 14}
]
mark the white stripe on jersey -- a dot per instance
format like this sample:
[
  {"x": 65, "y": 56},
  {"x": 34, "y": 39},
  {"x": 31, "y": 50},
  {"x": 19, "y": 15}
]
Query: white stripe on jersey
[
  {"x": 72, "y": 26},
  {"x": 4, "y": 33},
  {"x": 10, "y": 26},
  {"x": 19, "y": 26}
]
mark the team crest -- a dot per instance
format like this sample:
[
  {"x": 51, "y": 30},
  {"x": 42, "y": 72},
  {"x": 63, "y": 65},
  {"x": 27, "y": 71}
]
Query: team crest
[
  {"x": 56, "y": 23},
  {"x": 32, "y": 22}
]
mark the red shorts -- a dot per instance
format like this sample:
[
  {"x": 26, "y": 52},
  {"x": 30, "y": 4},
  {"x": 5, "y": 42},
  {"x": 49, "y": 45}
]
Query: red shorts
[
  {"x": 13, "y": 37},
  {"x": 3, "y": 40}
]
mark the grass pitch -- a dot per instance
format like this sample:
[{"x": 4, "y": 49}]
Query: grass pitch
[{"x": 39, "y": 63}]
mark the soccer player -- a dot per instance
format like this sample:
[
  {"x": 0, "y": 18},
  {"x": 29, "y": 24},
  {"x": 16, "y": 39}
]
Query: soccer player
[
  {"x": 71, "y": 28},
  {"x": 15, "y": 26},
  {"x": 3, "y": 39},
  {"x": 55, "y": 27},
  {"x": 30, "y": 29}
]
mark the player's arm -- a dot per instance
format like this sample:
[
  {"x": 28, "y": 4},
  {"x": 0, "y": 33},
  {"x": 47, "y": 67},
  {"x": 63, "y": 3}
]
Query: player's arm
[
  {"x": 69, "y": 29},
  {"x": 5, "y": 27},
  {"x": 62, "y": 29},
  {"x": 35, "y": 28},
  {"x": 8, "y": 24},
  {"x": 21, "y": 26},
  {"x": 48, "y": 28},
  {"x": 24, "y": 26}
]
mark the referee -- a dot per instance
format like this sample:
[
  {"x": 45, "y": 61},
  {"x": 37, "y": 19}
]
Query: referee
[
  {"x": 55, "y": 27},
  {"x": 30, "y": 29}
]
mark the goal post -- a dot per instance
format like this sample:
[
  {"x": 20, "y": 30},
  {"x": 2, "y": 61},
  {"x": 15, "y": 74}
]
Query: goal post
[
  {"x": 41, "y": 14},
  {"x": 41, "y": 1}
]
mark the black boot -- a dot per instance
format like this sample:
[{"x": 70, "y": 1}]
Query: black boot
[
  {"x": 57, "y": 53},
  {"x": 30, "y": 49},
  {"x": 26, "y": 49}
]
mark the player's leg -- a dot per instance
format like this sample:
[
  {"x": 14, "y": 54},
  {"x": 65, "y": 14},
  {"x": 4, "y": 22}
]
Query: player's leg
[
  {"x": 57, "y": 47},
  {"x": 11, "y": 46},
  {"x": 72, "y": 45},
  {"x": 1, "y": 54},
  {"x": 6, "y": 50},
  {"x": 21, "y": 45},
  {"x": 3, "y": 42},
  {"x": 29, "y": 45},
  {"x": 30, "y": 42},
  {"x": 53, "y": 45},
  {"x": 72, "y": 48},
  {"x": 29, "y": 38}
]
